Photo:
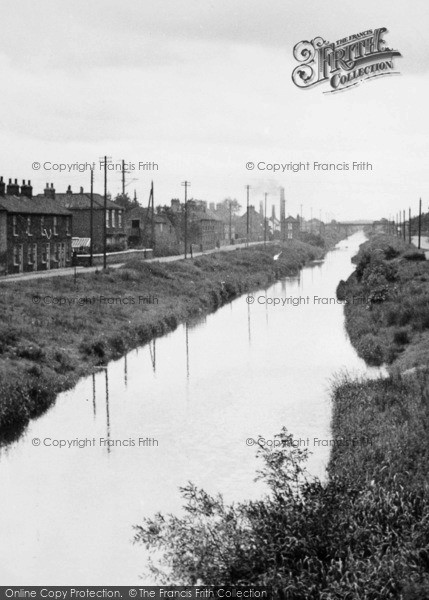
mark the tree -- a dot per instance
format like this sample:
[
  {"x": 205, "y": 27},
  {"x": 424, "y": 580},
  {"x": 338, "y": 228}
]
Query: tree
[
  {"x": 223, "y": 208},
  {"x": 125, "y": 201}
]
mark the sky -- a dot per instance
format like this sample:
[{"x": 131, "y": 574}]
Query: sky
[{"x": 201, "y": 88}]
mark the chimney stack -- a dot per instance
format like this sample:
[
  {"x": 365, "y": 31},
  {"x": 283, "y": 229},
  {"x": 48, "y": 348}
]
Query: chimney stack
[
  {"x": 26, "y": 189},
  {"x": 49, "y": 191},
  {"x": 12, "y": 188},
  {"x": 2, "y": 186},
  {"x": 69, "y": 190},
  {"x": 81, "y": 190}
]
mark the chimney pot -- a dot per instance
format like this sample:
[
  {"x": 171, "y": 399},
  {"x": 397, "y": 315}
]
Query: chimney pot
[
  {"x": 81, "y": 190},
  {"x": 10, "y": 180},
  {"x": 16, "y": 182},
  {"x": 52, "y": 185}
]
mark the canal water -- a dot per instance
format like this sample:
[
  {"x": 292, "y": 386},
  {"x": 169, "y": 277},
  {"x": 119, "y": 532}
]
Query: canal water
[{"x": 185, "y": 407}]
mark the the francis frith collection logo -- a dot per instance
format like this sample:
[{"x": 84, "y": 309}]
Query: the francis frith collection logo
[{"x": 344, "y": 63}]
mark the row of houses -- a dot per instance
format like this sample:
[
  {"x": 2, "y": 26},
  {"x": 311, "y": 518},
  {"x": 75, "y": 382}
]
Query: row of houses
[
  {"x": 42, "y": 231},
  {"x": 37, "y": 231}
]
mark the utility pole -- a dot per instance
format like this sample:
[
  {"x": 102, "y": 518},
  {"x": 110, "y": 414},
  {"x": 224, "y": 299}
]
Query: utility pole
[
  {"x": 247, "y": 216},
  {"x": 105, "y": 160},
  {"x": 403, "y": 224},
  {"x": 91, "y": 220},
  {"x": 300, "y": 225},
  {"x": 186, "y": 184},
  {"x": 152, "y": 221},
  {"x": 230, "y": 221},
  {"x": 420, "y": 221},
  {"x": 123, "y": 177},
  {"x": 265, "y": 221},
  {"x": 409, "y": 225}
]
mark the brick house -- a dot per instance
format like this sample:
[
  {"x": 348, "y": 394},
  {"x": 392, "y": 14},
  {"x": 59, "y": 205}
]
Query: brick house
[
  {"x": 292, "y": 228},
  {"x": 138, "y": 227},
  {"x": 256, "y": 225},
  {"x": 35, "y": 233},
  {"x": 79, "y": 204}
]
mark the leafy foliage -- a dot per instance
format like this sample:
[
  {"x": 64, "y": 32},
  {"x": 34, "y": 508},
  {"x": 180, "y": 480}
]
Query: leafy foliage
[{"x": 307, "y": 540}]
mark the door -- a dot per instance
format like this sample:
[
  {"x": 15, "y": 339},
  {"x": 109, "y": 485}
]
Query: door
[
  {"x": 21, "y": 258},
  {"x": 62, "y": 254},
  {"x": 34, "y": 257}
]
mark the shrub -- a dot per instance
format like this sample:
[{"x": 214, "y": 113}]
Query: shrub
[
  {"x": 306, "y": 540},
  {"x": 414, "y": 255}
]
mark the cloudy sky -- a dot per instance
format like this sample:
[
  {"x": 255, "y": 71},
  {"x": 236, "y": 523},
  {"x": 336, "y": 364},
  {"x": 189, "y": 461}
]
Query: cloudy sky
[{"x": 201, "y": 87}]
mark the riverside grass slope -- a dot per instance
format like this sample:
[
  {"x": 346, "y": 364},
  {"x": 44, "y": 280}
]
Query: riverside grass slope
[
  {"x": 364, "y": 533},
  {"x": 46, "y": 348}
]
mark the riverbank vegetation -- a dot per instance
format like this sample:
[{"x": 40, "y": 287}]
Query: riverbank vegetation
[
  {"x": 54, "y": 331},
  {"x": 364, "y": 533},
  {"x": 387, "y": 310}
]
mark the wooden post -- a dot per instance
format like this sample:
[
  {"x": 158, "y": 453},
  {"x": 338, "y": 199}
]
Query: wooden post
[{"x": 420, "y": 222}]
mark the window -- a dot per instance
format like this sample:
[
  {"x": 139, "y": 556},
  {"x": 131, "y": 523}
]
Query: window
[
  {"x": 135, "y": 223},
  {"x": 16, "y": 255},
  {"x": 120, "y": 218},
  {"x": 35, "y": 255},
  {"x": 30, "y": 254},
  {"x": 44, "y": 253},
  {"x": 289, "y": 235},
  {"x": 289, "y": 226},
  {"x": 107, "y": 218},
  {"x": 15, "y": 232},
  {"x": 42, "y": 226},
  {"x": 57, "y": 252},
  {"x": 55, "y": 225},
  {"x": 28, "y": 225},
  {"x": 67, "y": 225},
  {"x": 113, "y": 218}
]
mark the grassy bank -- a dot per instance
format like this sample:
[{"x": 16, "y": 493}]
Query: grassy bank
[
  {"x": 387, "y": 310},
  {"x": 365, "y": 532},
  {"x": 54, "y": 331}
]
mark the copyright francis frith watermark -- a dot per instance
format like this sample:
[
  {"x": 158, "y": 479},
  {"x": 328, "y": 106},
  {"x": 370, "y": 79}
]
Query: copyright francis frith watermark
[{"x": 344, "y": 63}]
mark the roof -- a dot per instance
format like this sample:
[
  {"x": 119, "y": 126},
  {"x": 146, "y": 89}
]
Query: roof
[
  {"x": 142, "y": 212},
  {"x": 83, "y": 201},
  {"x": 290, "y": 219},
  {"x": 35, "y": 205}
]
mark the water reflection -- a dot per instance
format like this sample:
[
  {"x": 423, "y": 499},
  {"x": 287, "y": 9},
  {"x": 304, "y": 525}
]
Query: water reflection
[{"x": 254, "y": 369}]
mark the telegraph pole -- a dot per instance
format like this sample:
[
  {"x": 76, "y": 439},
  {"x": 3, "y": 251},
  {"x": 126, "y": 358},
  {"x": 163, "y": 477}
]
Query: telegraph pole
[
  {"x": 247, "y": 216},
  {"x": 186, "y": 184},
  {"x": 123, "y": 177},
  {"x": 409, "y": 225},
  {"x": 91, "y": 220},
  {"x": 152, "y": 221},
  {"x": 265, "y": 220},
  {"x": 420, "y": 221},
  {"x": 230, "y": 221},
  {"x": 105, "y": 161}
]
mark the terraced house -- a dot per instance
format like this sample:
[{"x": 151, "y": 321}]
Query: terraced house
[
  {"x": 35, "y": 233},
  {"x": 79, "y": 205}
]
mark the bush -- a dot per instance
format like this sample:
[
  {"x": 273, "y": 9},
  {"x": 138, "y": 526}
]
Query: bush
[
  {"x": 414, "y": 255},
  {"x": 306, "y": 540}
]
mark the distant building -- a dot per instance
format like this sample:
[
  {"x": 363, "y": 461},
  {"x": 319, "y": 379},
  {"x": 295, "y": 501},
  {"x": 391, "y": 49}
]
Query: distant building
[
  {"x": 256, "y": 225},
  {"x": 79, "y": 204},
  {"x": 292, "y": 228},
  {"x": 35, "y": 233},
  {"x": 138, "y": 226}
]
